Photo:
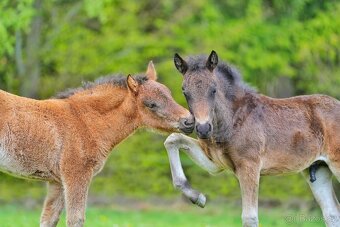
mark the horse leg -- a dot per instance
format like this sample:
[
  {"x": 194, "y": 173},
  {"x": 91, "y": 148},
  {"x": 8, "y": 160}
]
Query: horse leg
[
  {"x": 76, "y": 184},
  {"x": 335, "y": 168},
  {"x": 324, "y": 194},
  {"x": 248, "y": 175},
  {"x": 54, "y": 204},
  {"x": 191, "y": 147}
]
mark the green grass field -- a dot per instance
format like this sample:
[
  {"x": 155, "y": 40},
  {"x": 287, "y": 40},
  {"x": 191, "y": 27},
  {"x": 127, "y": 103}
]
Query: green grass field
[{"x": 13, "y": 216}]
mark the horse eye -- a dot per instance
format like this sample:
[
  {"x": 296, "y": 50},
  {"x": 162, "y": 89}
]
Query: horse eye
[{"x": 150, "y": 105}]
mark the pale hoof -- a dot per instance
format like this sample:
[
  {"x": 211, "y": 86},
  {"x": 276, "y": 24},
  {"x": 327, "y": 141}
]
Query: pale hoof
[{"x": 201, "y": 200}]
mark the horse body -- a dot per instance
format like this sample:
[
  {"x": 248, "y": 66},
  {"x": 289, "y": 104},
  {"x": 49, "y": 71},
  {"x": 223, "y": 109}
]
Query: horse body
[
  {"x": 28, "y": 135},
  {"x": 66, "y": 140},
  {"x": 298, "y": 132},
  {"x": 302, "y": 135},
  {"x": 253, "y": 135},
  {"x": 39, "y": 137}
]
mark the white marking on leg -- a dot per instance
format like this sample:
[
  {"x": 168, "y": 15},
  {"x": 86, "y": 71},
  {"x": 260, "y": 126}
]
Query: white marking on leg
[
  {"x": 192, "y": 148},
  {"x": 173, "y": 143},
  {"x": 249, "y": 178},
  {"x": 324, "y": 194}
]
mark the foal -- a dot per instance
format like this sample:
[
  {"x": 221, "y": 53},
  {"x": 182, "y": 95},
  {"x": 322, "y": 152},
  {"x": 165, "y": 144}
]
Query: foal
[
  {"x": 67, "y": 140},
  {"x": 252, "y": 135}
]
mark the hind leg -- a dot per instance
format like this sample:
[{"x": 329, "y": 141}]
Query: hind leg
[
  {"x": 335, "y": 168},
  {"x": 324, "y": 194},
  {"x": 54, "y": 204}
]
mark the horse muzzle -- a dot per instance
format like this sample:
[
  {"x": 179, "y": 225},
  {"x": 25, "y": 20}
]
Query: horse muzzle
[
  {"x": 204, "y": 130},
  {"x": 187, "y": 125}
]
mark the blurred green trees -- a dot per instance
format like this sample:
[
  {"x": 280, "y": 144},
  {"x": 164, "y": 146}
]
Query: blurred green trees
[{"x": 281, "y": 47}]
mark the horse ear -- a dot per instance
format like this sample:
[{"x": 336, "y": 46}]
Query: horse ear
[
  {"x": 151, "y": 71},
  {"x": 132, "y": 84},
  {"x": 180, "y": 64},
  {"x": 212, "y": 61}
]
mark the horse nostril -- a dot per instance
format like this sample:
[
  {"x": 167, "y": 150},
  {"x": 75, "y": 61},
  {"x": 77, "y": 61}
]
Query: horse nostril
[
  {"x": 187, "y": 125},
  {"x": 188, "y": 122}
]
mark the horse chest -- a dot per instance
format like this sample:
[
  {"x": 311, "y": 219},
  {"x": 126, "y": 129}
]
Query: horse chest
[{"x": 219, "y": 156}]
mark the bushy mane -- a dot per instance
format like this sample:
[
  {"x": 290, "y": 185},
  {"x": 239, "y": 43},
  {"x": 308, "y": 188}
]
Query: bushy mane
[
  {"x": 231, "y": 75},
  {"x": 117, "y": 80}
]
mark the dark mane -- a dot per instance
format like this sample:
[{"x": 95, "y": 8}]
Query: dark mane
[
  {"x": 118, "y": 80},
  {"x": 229, "y": 73}
]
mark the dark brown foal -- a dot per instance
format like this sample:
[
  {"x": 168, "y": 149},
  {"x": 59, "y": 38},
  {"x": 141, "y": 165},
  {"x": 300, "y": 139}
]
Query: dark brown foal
[{"x": 253, "y": 135}]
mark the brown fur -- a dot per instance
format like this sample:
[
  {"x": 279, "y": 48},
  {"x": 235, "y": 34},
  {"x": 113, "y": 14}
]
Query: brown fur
[
  {"x": 67, "y": 141},
  {"x": 255, "y": 134},
  {"x": 296, "y": 140}
]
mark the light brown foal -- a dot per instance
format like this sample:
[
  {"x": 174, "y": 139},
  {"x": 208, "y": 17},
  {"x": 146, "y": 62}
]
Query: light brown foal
[
  {"x": 66, "y": 140},
  {"x": 252, "y": 135}
]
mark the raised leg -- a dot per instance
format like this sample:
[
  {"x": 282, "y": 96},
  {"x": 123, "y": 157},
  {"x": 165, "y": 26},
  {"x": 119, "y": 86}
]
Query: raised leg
[
  {"x": 324, "y": 194},
  {"x": 54, "y": 204},
  {"x": 192, "y": 148},
  {"x": 76, "y": 189},
  {"x": 248, "y": 175}
]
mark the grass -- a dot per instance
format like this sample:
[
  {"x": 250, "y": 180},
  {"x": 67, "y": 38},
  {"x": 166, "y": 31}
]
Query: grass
[{"x": 214, "y": 216}]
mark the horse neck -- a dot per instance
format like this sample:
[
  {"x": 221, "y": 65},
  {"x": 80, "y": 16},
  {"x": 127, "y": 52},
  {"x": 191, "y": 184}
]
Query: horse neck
[
  {"x": 225, "y": 111},
  {"x": 222, "y": 117},
  {"x": 109, "y": 114}
]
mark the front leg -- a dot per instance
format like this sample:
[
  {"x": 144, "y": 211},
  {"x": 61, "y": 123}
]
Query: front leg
[
  {"x": 248, "y": 174},
  {"x": 192, "y": 148},
  {"x": 76, "y": 183}
]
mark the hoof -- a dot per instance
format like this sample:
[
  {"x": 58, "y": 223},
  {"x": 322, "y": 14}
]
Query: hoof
[{"x": 201, "y": 200}]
